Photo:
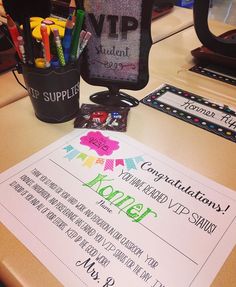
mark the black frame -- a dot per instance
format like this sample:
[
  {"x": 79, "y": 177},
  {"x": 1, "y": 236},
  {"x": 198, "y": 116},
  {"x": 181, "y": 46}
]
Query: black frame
[
  {"x": 219, "y": 45},
  {"x": 145, "y": 45}
]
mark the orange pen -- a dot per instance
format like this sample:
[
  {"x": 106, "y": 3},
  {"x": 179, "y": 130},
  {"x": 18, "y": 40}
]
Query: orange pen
[{"x": 46, "y": 46}]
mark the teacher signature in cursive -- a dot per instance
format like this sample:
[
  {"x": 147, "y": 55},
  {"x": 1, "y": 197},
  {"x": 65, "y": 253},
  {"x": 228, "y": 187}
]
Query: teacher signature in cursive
[{"x": 89, "y": 267}]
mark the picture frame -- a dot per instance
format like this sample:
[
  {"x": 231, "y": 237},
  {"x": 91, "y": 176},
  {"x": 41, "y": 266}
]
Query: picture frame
[{"x": 116, "y": 56}]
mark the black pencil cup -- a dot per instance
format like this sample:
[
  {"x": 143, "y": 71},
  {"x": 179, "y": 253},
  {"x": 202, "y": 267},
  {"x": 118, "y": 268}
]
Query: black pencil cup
[{"x": 54, "y": 92}]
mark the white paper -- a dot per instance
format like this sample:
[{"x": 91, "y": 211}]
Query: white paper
[
  {"x": 101, "y": 209},
  {"x": 194, "y": 108}
]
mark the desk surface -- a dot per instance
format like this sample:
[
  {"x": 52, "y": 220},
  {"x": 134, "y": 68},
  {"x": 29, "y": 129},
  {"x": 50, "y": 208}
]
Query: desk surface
[
  {"x": 173, "y": 59},
  {"x": 177, "y": 20},
  {"x": 159, "y": 131},
  {"x": 10, "y": 90}
]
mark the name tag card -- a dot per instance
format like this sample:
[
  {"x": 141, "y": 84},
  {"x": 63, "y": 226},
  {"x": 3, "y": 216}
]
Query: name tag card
[
  {"x": 216, "y": 72},
  {"x": 100, "y": 209},
  {"x": 194, "y": 109}
]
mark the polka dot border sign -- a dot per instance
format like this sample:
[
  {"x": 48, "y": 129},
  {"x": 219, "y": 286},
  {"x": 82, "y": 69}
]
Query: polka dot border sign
[
  {"x": 152, "y": 100},
  {"x": 223, "y": 76}
]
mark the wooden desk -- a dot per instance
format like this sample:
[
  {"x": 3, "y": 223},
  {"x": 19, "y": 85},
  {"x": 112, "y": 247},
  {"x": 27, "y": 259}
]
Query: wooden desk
[
  {"x": 2, "y": 11},
  {"x": 159, "y": 131},
  {"x": 22, "y": 135},
  {"x": 175, "y": 21},
  {"x": 10, "y": 91},
  {"x": 171, "y": 59}
]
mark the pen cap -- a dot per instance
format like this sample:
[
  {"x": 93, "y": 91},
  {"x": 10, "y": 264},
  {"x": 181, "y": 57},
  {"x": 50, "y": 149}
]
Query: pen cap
[{"x": 56, "y": 33}]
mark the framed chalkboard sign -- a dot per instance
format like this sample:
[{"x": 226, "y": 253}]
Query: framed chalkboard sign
[{"x": 117, "y": 53}]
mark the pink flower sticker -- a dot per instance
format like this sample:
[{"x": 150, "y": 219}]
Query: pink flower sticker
[{"x": 98, "y": 142}]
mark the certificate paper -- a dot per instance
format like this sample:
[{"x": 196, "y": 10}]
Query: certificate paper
[{"x": 98, "y": 208}]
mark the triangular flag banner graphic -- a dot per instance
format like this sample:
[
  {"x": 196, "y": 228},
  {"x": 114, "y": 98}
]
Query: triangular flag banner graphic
[
  {"x": 130, "y": 164},
  {"x": 100, "y": 160},
  {"x": 82, "y": 156},
  {"x": 119, "y": 162},
  {"x": 138, "y": 159},
  {"x": 109, "y": 164},
  {"x": 68, "y": 148},
  {"x": 89, "y": 161},
  {"x": 72, "y": 154}
]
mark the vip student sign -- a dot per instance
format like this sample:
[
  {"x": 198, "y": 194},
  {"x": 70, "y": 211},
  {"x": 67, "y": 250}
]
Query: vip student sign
[
  {"x": 117, "y": 53},
  {"x": 100, "y": 209}
]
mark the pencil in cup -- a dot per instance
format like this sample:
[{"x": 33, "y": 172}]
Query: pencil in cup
[
  {"x": 81, "y": 38},
  {"x": 21, "y": 48},
  {"x": 46, "y": 45},
  {"x": 59, "y": 47},
  {"x": 83, "y": 43}
]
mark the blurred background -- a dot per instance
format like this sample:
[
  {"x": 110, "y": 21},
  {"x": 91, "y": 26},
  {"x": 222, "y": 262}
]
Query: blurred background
[{"x": 223, "y": 11}]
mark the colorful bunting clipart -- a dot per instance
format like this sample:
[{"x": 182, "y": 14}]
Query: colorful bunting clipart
[{"x": 108, "y": 163}]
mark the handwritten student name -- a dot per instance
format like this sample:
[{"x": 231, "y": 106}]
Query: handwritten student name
[
  {"x": 124, "y": 202},
  {"x": 192, "y": 106},
  {"x": 227, "y": 119}
]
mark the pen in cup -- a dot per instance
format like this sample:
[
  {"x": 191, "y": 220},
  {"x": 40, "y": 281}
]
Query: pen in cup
[
  {"x": 76, "y": 34},
  {"x": 66, "y": 43},
  {"x": 29, "y": 50}
]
